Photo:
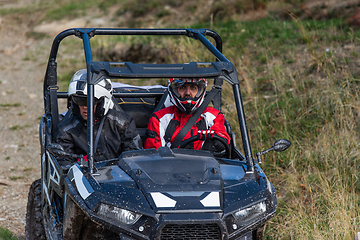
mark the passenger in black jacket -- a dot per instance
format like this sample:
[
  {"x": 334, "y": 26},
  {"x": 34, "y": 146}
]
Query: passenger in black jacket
[{"x": 118, "y": 132}]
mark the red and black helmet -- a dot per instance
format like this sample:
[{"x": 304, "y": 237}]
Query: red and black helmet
[{"x": 187, "y": 105}]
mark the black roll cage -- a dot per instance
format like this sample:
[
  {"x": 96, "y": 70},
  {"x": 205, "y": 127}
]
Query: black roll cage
[{"x": 221, "y": 68}]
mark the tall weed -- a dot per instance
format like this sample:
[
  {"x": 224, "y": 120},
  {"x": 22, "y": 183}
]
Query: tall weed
[{"x": 317, "y": 179}]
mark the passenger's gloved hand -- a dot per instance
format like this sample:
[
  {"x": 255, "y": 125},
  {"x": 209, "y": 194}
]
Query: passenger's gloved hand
[
  {"x": 84, "y": 159},
  {"x": 205, "y": 134}
]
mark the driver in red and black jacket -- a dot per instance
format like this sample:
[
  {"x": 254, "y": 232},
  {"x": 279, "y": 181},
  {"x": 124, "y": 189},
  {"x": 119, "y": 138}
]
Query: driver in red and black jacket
[{"x": 187, "y": 94}]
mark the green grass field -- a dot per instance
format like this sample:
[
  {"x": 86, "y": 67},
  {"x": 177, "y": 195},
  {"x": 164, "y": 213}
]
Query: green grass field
[{"x": 6, "y": 234}]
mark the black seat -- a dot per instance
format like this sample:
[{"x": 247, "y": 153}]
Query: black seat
[{"x": 140, "y": 108}]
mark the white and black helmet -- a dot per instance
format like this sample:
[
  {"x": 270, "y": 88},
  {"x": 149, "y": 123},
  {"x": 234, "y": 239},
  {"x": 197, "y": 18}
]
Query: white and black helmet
[
  {"x": 102, "y": 93},
  {"x": 187, "y": 105}
]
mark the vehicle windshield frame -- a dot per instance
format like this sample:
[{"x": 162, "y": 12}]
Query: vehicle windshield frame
[{"x": 221, "y": 68}]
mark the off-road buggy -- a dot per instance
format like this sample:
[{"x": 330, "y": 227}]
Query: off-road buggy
[{"x": 167, "y": 193}]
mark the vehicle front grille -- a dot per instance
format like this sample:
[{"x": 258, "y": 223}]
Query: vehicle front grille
[{"x": 191, "y": 231}]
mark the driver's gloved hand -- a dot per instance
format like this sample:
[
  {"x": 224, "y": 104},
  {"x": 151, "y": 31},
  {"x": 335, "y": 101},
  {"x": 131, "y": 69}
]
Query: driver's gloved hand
[
  {"x": 218, "y": 146},
  {"x": 84, "y": 158},
  {"x": 205, "y": 134}
]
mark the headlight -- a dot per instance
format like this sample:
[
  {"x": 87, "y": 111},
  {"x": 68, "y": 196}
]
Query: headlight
[
  {"x": 119, "y": 214},
  {"x": 250, "y": 213}
]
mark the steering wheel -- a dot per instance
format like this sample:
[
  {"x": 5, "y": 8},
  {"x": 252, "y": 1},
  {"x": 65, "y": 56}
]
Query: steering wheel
[{"x": 223, "y": 142}]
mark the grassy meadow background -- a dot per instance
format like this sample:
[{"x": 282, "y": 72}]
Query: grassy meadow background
[{"x": 300, "y": 80}]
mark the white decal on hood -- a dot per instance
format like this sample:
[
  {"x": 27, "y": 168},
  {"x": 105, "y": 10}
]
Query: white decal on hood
[
  {"x": 80, "y": 183},
  {"x": 162, "y": 201},
  {"x": 211, "y": 200}
]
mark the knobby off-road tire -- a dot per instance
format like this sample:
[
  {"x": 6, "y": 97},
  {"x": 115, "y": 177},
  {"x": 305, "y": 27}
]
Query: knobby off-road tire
[
  {"x": 34, "y": 229},
  {"x": 73, "y": 220},
  {"x": 259, "y": 233}
]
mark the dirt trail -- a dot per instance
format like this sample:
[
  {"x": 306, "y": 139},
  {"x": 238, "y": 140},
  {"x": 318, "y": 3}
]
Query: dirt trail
[{"x": 22, "y": 65}]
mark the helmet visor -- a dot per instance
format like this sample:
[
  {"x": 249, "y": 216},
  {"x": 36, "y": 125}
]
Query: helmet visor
[
  {"x": 176, "y": 83},
  {"x": 82, "y": 101}
]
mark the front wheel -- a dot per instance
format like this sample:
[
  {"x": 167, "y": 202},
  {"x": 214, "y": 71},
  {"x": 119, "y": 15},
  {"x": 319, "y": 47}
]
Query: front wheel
[
  {"x": 34, "y": 229},
  {"x": 258, "y": 234}
]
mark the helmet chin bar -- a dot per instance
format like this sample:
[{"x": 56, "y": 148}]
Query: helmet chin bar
[
  {"x": 191, "y": 101},
  {"x": 108, "y": 104},
  {"x": 187, "y": 105}
]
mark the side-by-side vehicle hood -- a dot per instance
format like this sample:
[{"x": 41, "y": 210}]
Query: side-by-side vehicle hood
[
  {"x": 177, "y": 181},
  {"x": 172, "y": 180}
]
